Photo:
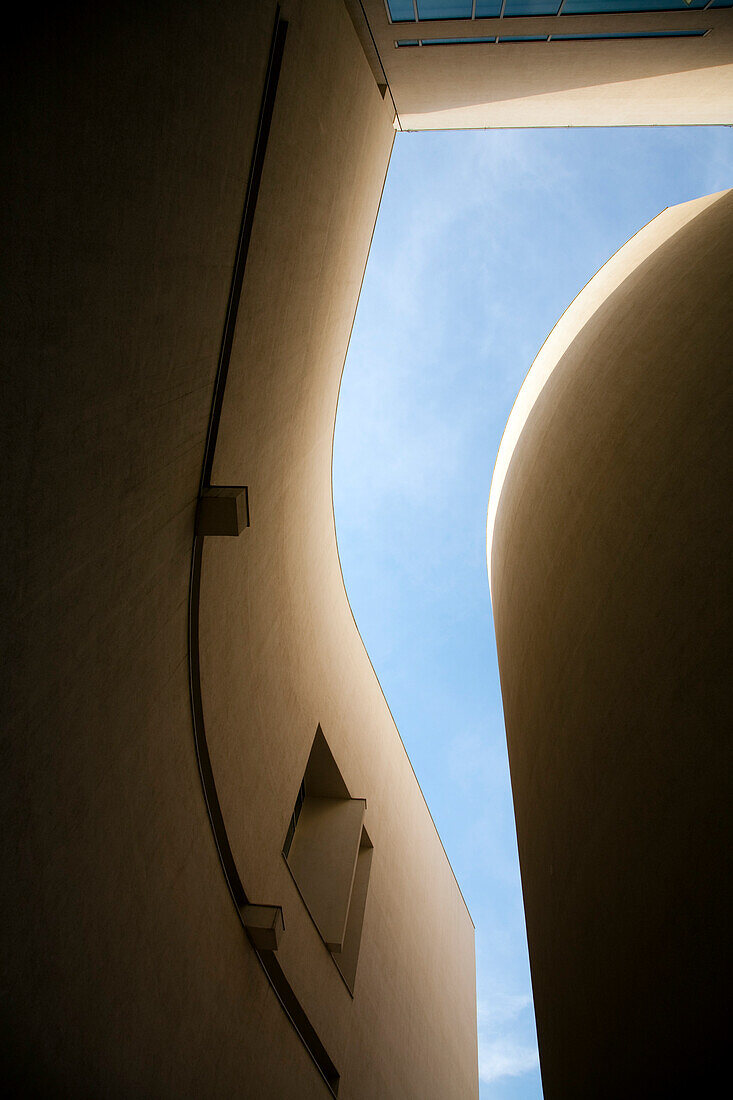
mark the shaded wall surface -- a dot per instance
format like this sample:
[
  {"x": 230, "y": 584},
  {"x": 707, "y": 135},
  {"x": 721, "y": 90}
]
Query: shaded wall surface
[
  {"x": 611, "y": 595},
  {"x": 125, "y": 967}
]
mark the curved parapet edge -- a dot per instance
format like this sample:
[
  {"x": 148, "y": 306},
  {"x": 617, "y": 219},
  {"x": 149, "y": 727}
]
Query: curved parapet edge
[{"x": 580, "y": 311}]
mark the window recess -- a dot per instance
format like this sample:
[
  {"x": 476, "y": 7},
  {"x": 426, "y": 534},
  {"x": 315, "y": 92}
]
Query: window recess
[
  {"x": 347, "y": 959},
  {"x": 328, "y": 852}
]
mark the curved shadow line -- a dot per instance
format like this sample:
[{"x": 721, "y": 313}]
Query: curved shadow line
[
  {"x": 267, "y": 959},
  {"x": 236, "y": 888},
  {"x": 341, "y": 569},
  {"x": 211, "y": 797}
]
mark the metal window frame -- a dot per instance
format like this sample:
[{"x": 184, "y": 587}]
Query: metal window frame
[{"x": 531, "y": 15}]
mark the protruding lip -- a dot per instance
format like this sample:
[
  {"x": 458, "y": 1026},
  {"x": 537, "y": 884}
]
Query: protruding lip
[{"x": 583, "y": 307}]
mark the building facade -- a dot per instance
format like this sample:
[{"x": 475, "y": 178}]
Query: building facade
[
  {"x": 220, "y": 875},
  {"x": 609, "y": 530}
]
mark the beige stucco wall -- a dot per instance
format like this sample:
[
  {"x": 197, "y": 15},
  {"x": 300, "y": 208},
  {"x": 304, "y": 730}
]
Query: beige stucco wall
[
  {"x": 611, "y": 597},
  {"x": 639, "y": 82},
  {"x": 284, "y": 653},
  {"x": 125, "y": 968}
]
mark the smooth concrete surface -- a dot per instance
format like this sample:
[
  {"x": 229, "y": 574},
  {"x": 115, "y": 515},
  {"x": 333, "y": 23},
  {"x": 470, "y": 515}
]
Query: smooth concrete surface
[
  {"x": 638, "y": 82},
  {"x": 323, "y": 859},
  {"x": 611, "y": 597},
  {"x": 280, "y": 652},
  {"x": 348, "y": 958},
  {"x": 580, "y": 311},
  {"x": 126, "y": 971}
]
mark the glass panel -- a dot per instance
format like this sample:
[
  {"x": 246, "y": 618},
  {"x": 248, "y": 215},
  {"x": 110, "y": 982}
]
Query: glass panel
[
  {"x": 454, "y": 41},
  {"x": 401, "y": 11},
  {"x": 444, "y": 9},
  {"x": 722, "y": 4},
  {"x": 532, "y": 7},
  {"x": 600, "y": 7},
  {"x": 487, "y": 9},
  {"x": 627, "y": 34}
]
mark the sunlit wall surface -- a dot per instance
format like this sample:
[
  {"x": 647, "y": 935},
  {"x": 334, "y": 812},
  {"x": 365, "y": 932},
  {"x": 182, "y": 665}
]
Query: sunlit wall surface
[{"x": 457, "y": 300}]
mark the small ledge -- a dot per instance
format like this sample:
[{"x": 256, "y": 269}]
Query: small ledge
[{"x": 223, "y": 510}]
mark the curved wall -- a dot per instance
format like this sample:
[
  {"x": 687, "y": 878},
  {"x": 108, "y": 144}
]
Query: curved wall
[
  {"x": 610, "y": 588},
  {"x": 125, "y": 968}
]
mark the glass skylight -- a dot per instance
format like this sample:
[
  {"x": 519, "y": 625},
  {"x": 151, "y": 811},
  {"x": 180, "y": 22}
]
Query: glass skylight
[
  {"x": 627, "y": 34},
  {"x": 549, "y": 38},
  {"x": 403, "y": 11},
  {"x": 600, "y": 7},
  {"x": 531, "y": 7},
  {"x": 454, "y": 41},
  {"x": 444, "y": 9}
]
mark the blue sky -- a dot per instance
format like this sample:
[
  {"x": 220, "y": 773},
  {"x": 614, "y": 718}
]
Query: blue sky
[{"x": 483, "y": 239}]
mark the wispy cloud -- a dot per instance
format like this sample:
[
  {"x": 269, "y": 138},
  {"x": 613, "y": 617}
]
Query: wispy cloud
[
  {"x": 504, "y": 1047},
  {"x": 503, "y": 1057},
  {"x": 501, "y": 1008}
]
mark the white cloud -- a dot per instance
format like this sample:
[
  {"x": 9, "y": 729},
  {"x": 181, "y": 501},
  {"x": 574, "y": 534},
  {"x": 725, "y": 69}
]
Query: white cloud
[
  {"x": 501, "y": 1008},
  {"x": 504, "y": 1049},
  {"x": 504, "y": 1057}
]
